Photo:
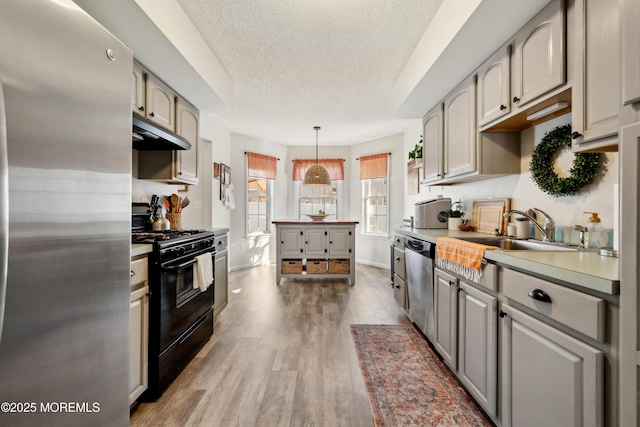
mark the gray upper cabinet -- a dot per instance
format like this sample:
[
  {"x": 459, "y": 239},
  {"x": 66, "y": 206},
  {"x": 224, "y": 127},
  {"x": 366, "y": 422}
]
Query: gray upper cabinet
[
  {"x": 433, "y": 144},
  {"x": 460, "y": 132},
  {"x": 187, "y": 119},
  {"x": 161, "y": 103},
  {"x": 138, "y": 89},
  {"x": 538, "y": 63},
  {"x": 596, "y": 64},
  {"x": 153, "y": 99},
  {"x": 494, "y": 86},
  {"x": 630, "y": 15}
]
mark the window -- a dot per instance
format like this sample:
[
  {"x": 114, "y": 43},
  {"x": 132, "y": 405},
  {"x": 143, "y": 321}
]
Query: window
[
  {"x": 261, "y": 172},
  {"x": 375, "y": 194},
  {"x": 313, "y": 199}
]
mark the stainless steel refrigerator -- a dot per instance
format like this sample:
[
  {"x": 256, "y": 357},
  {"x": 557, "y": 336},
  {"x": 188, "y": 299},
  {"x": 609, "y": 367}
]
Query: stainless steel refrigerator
[{"x": 65, "y": 200}]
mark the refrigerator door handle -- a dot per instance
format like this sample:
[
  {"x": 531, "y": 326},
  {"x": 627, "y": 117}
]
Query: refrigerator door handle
[{"x": 4, "y": 207}]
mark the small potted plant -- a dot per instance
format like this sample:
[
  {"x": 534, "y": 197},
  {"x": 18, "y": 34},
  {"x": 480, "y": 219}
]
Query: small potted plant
[
  {"x": 416, "y": 153},
  {"x": 455, "y": 218}
]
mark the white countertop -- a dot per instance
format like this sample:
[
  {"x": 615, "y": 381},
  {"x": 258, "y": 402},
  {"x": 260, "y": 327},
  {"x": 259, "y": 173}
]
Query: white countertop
[
  {"x": 141, "y": 249},
  {"x": 585, "y": 269}
]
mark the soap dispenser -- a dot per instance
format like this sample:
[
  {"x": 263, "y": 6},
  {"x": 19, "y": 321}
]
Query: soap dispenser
[{"x": 594, "y": 230}]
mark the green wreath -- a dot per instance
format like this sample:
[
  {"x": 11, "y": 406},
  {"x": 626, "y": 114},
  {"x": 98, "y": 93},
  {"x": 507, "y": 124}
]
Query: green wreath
[{"x": 582, "y": 172}]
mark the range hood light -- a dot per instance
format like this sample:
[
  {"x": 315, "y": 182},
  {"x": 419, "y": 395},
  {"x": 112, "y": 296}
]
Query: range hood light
[{"x": 546, "y": 111}]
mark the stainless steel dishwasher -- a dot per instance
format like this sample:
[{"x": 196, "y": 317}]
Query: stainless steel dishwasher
[{"x": 419, "y": 256}]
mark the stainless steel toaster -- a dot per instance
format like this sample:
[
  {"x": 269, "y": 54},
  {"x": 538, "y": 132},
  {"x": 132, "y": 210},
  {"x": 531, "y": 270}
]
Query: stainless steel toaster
[{"x": 431, "y": 213}]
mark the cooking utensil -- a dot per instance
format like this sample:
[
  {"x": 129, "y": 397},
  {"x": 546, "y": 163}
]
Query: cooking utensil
[
  {"x": 174, "y": 203},
  {"x": 179, "y": 208},
  {"x": 167, "y": 204},
  {"x": 185, "y": 202}
]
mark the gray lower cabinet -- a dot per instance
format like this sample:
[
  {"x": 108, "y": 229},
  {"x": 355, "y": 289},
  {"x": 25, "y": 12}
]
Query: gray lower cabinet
[
  {"x": 221, "y": 279},
  {"x": 445, "y": 313},
  {"x": 138, "y": 329},
  {"x": 548, "y": 377},
  {"x": 466, "y": 335},
  {"x": 478, "y": 345}
]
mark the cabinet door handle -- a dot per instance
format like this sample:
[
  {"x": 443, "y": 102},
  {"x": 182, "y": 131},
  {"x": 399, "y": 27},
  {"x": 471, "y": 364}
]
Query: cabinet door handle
[
  {"x": 516, "y": 99},
  {"x": 141, "y": 108},
  {"x": 501, "y": 313},
  {"x": 539, "y": 295},
  {"x": 575, "y": 135},
  {"x": 503, "y": 107},
  {"x": 133, "y": 273},
  {"x": 397, "y": 259},
  {"x": 152, "y": 114}
]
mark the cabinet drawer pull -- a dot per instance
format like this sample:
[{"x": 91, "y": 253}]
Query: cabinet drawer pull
[
  {"x": 575, "y": 135},
  {"x": 516, "y": 99},
  {"x": 539, "y": 295},
  {"x": 503, "y": 107},
  {"x": 501, "y": 313}
]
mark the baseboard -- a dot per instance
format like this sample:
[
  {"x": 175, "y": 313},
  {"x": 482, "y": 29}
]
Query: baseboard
[{"x": 373, "y": 264}]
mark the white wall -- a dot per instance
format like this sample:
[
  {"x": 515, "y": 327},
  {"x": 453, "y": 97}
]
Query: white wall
[
  {"x": 248, "y": 252},
  {"x": 566, "y": 211},
  {"x": 374, "y": 250}
]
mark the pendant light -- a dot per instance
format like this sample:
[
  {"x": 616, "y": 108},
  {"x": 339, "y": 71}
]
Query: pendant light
[{"x": 316, "y": 175}]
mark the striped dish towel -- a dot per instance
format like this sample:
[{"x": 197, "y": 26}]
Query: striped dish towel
[{"x": 461, "y": 257}]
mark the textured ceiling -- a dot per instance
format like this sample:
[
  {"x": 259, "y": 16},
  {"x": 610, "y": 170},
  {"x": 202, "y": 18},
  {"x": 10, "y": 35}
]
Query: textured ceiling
[{"x": 300, "y": 63}]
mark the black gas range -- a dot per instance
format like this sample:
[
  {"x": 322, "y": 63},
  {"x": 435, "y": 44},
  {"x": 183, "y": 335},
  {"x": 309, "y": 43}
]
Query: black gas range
[{"x": 180, "y": 315}]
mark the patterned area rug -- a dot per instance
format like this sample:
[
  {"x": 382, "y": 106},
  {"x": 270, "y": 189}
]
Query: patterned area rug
[{"x": 406, "y": 382}]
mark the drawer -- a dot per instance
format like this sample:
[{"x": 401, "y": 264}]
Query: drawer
[
  {"x": 489, "y": 278},
  {"x": 221, "y": 242},
  {"x": 398, "y": 241},
  {"x": 579, "y": 311},
  {"x": 399, "y": 267},
  {"x": 139, "y": 271}
]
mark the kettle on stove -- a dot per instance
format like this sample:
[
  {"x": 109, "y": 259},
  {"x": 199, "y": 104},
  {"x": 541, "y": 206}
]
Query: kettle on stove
[{"x": 159, "y": 222}]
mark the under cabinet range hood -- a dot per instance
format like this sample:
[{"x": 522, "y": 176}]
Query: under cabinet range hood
[{"x": 147, "y": 135}]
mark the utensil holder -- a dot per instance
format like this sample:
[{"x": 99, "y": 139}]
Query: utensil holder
[{"x": 175, "y": 219}]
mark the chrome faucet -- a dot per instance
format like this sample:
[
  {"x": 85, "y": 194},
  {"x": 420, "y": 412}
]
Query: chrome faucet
[
  {"x": 547, "y": 231},
  {"x": 549, "y": 226}
]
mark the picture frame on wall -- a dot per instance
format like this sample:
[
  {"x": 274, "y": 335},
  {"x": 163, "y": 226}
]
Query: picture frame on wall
[
  {"x": 216, "y": 170},
  {"x": 225, "y": 178}
]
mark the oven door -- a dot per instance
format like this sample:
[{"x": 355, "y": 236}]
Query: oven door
[{"x": 180, "y": 304}]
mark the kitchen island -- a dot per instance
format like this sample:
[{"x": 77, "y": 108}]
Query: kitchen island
[{"x": 315, "y": 249}]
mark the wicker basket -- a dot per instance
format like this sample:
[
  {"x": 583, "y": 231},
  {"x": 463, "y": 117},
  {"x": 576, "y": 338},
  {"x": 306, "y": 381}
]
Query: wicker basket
[
  {"x": 291, "y": 266},
  {"x": 338, "y": 266},
  {"x": 316, "y": 266}
]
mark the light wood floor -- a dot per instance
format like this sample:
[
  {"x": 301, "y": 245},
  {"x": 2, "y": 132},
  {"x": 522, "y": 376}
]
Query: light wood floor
[{"x": 280, "y": 355}]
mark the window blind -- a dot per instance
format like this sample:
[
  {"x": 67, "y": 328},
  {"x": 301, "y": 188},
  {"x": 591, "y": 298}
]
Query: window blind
[
  {"x": 261, "y": 166},
  {"x": 374, "y": 166}
]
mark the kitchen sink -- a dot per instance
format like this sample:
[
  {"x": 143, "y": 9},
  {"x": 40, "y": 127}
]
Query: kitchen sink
[{"x": 509, "y": 244}]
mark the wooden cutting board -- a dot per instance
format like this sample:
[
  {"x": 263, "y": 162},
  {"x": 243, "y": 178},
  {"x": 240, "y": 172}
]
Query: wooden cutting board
[{"x": 487, "y": 215}]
